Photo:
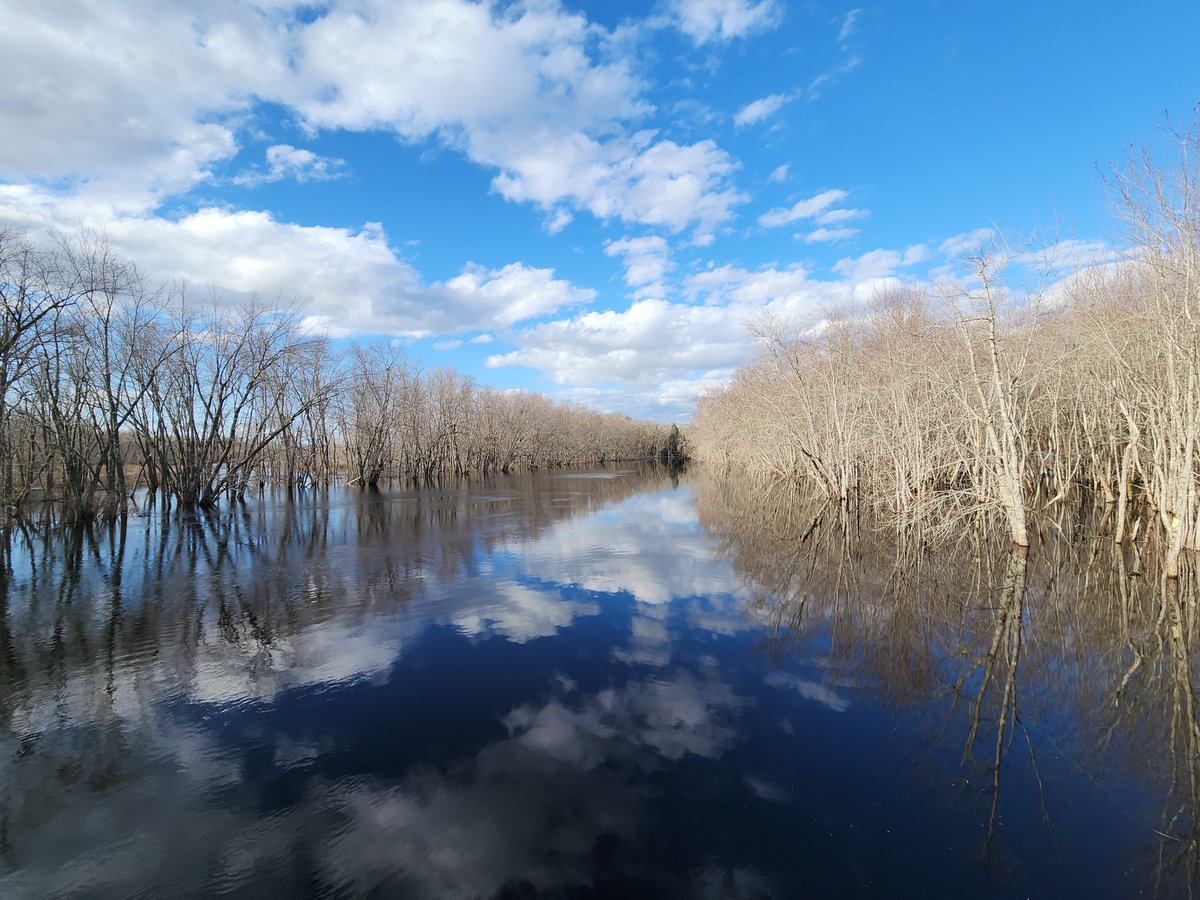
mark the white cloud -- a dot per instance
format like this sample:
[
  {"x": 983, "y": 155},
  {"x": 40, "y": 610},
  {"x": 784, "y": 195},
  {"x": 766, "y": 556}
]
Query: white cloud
[
  {"x": 827, "y": 235},
  {"x": 723, "y": 20},
  {"x": 521, "y": 90},
  {"x": 156, "y": 97},
  {"x": 349, "y": 281},
  {"x": 833, "y": 216},
  {"x": 633, "y": 179},
  {"x": 137, "y": 100},
  {"x": 286, "y": 161},
  {"x": 966, "y": 242},
  {"x": 917, "y": 253},
  {"x": 880, "y": 263},
  {"x": 558, "y": 220},
  {"x": 758, "y": 110},
  {"x": 1067, "y": 254},
  {"x": 870, "y": 264},
  {"x": 779, "y": 174},
  {"x": 849, "y": 23},
  {"x": 647, "y": 261},
  {"x": 802, "y": 209},
  {"x": 730, "y": 284},
  {"x": 656, "y": 356},
  {"x": 512, "y": 294},
  {"x": 872, "y": 288},
  {"x": 639, "y": 346}
]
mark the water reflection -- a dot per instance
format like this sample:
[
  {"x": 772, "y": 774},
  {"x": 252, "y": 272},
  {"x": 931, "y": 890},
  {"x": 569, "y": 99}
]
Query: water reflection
[
  {"x": 331, "y": 695},
  {"x": 1064, "y": 687},
  {"x": 614, "y": 684}
]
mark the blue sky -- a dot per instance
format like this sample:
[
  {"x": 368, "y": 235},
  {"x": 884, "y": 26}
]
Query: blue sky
[{"x": 587, "y": 199}]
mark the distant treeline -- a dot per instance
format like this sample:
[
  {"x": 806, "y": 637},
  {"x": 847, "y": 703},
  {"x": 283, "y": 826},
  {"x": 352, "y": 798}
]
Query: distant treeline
[
  {"x": 110, "y": 383},
  {"x": 1003, "y": 392}
]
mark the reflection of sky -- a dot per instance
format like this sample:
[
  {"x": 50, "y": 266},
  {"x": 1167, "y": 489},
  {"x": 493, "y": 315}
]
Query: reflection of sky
[
  {"x": 446, "y": 701},
  {"x": 183, "y": 736},
  {"x": 650, "y": 546},
  {"x": 650, "y": 549}
]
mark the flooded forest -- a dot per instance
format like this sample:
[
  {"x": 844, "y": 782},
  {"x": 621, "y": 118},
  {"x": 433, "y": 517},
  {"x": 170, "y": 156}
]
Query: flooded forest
[
  {"x": 111, "y": 384},
  {"x": 607, "y": 682},
  {"x": 285, "y": 616},
  {"x": 1003, "y": 391}
]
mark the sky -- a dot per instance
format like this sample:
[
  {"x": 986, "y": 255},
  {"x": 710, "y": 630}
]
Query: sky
[{"x": 589, "y": 199}]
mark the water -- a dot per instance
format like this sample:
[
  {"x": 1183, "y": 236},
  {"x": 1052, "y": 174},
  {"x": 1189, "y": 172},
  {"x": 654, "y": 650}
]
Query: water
[{"x": 607, "y": 684}]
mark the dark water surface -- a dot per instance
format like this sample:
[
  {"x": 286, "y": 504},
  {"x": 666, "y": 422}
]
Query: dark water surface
[{"x": 610, "y": 684}]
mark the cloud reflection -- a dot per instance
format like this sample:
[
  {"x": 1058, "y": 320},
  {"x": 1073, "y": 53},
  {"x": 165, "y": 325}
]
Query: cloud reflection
[
  {"x": 809, "y": 690},
  {"x": 202, "y": 781},
  {"x": 532, "y": 808}
]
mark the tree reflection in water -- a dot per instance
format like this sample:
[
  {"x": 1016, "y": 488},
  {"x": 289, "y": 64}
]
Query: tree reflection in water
[
  {"x": 565, "y": 686},
  {"x": 344, "y": 690},
  {"x": 1066, "y": 649}
]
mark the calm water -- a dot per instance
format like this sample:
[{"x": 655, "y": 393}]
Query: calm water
[{"x": 609, "y": 684}]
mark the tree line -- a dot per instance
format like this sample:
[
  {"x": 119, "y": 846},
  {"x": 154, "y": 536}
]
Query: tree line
[
  {"x": 1004, "y": 393},
  {"x": 110, "y": 383}
]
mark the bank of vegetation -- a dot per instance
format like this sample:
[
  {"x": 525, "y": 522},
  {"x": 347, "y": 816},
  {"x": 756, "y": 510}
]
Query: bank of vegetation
[
  {"x": 110, "y": 383},
  {"x": 1004, "y": 392}
]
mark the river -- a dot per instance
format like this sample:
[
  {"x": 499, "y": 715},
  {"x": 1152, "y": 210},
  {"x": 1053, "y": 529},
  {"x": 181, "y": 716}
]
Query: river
[{"x": 617, "y": 683}]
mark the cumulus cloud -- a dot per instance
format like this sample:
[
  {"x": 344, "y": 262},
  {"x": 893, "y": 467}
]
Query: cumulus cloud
[
  {"x": 658, "y": 355},
  {"x": 157, "y": 97},
  {"x": 348, "y": 280},
  {"x": 161, "y": 98},
  {"x": 635, "y": 179},
  {"x": 142, "y": 105},
  {"x": 637, "y": 346},
  {"x": 508, "y": 295},
  {"x": 832, "y": 227},
  {"x": 729, "y": 284},
  {"x": 522, "y": 90},
  {"x": 418, "y": 67},
  {"x": 558, "y": 220},
  {"x": 647, "y": 261},
  {"x": 880, "y": 263},
  {"x": 706, "y": 21},
  {"x": 286, "y": 161}
]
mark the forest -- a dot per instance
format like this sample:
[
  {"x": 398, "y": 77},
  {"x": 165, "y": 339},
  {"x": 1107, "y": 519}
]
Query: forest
[
  {"x": 111, "y": 383},
  {"x": 1008, "y": 392}
]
